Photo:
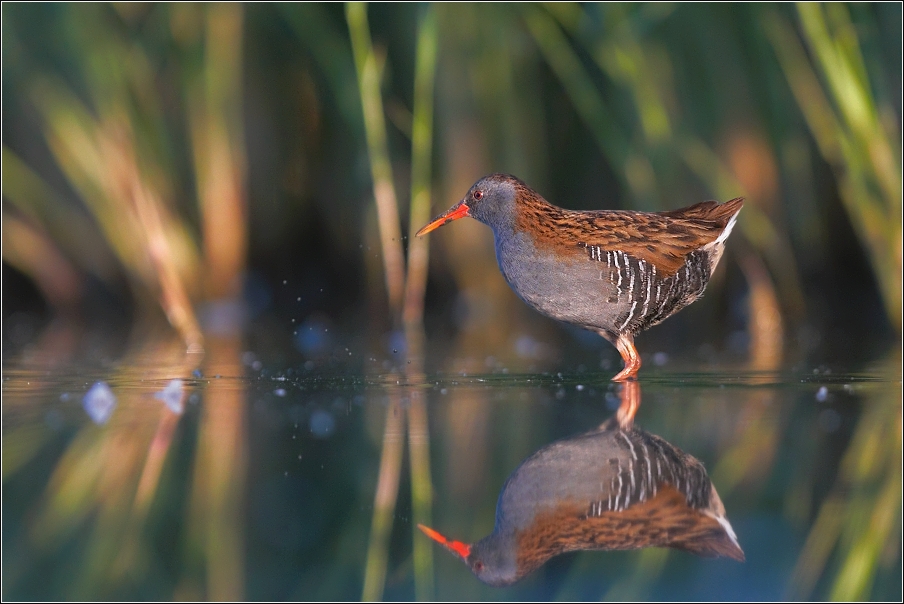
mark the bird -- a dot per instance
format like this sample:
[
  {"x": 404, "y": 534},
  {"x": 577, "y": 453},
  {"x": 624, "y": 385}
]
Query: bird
[
  {"x": 608, "y": 489},
  {"x": 615, "y": 272}
]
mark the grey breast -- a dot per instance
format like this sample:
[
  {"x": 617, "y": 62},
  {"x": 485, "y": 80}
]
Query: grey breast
[
  {"x": 568, "y": 289},
  {"x": 608, "y": 290}
]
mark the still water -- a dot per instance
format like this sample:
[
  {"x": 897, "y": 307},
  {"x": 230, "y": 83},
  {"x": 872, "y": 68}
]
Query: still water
[{"x": 233, "y": 476}]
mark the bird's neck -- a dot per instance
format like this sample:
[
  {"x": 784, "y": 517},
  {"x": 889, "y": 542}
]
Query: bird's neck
[
  {"x": 499, "y": 552},
  {"x": 546, "y": 224}
]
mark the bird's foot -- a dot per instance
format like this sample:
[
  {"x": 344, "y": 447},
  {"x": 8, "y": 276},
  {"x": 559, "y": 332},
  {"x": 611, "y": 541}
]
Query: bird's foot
[
  {"x": 630, "y": 403},
  {"x": 625, "y": 345},
  {"x": 627, "y": 374}
]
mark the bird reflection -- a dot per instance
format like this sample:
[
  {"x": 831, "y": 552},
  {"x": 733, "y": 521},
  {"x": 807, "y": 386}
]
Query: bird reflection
[
  {"x": 630, "y": 403},
  {"x": 614, "y": 488}
]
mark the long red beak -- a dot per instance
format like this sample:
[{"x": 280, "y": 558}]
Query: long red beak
[
  {"x": 459, "y": 210},
  {"x": 462, "y": 549}
]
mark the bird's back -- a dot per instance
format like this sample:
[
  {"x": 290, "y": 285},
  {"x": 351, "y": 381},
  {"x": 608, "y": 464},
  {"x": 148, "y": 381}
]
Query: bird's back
[
  {"x": 663, "y": 239},
  {"x": 613, "y": 271},
  {"x": 612, "y": 489}
]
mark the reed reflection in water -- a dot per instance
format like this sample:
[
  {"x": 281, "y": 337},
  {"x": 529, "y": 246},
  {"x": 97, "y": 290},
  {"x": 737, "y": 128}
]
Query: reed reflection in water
[
  {"x": 109, "y": 477},
  {"x": 167, "y": 505}
]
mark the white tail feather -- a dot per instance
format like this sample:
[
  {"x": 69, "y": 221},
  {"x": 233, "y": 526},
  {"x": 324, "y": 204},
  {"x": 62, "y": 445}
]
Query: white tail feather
[{"x": 725, "y": 233}]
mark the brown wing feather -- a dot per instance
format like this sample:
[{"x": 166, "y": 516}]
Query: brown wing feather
[
  {"x": 663, "y": 239},
  {"x": 664, "y": 520}
]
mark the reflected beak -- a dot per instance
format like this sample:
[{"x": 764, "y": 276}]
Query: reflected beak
[
  {"x": 459, "y": 210},
  {"x": 462, "y": 549}
]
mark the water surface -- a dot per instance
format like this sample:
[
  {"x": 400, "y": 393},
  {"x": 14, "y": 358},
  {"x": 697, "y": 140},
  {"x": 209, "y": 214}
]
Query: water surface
[{"x": 305, "y": 480}]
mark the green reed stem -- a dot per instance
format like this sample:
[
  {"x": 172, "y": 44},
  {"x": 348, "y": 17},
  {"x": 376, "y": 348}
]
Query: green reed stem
[
  {"x": 415, "y": 286},
  {"x": 215, "y": 118},
  {"x": 419, "y": 453},
  {"x": 384, "y": 501},
  {"x": 421, "y": 155},
  {"x": 859, "y": 518},
  {"x": 368, "y": 70},
  {"x": 850, "y": 139}
]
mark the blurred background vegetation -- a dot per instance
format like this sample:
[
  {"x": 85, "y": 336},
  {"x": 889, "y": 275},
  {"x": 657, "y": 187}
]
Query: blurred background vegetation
[
  {"x": 216, "y": 170},
  {"x": 178, "y": 156}
]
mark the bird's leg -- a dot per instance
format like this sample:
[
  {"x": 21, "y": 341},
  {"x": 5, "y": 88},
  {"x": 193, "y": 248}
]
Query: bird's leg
[
  {"x": 630, "y": 402},
  {"x": 625, "y": 345}
]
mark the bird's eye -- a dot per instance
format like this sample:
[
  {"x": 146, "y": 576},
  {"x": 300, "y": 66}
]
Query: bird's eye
[
  {"x": 478, "y": 566},
  {"x": 478, "y": 194}
]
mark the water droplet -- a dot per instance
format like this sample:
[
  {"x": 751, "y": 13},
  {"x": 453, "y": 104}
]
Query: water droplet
[
  {"x": 99, "y": 403},
  {"x": 171, "y": 396}
]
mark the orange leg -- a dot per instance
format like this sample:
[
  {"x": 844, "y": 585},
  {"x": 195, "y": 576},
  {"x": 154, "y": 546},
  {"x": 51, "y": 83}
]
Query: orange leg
[
  {"x": 630, "y": 402},
  {"x": 625, "y": 345}
]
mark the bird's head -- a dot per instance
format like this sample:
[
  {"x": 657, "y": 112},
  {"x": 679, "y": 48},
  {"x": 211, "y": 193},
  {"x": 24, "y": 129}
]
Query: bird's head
[
  {"x": 491, "y": 200},
  {"x": 489, "y": 559}
]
